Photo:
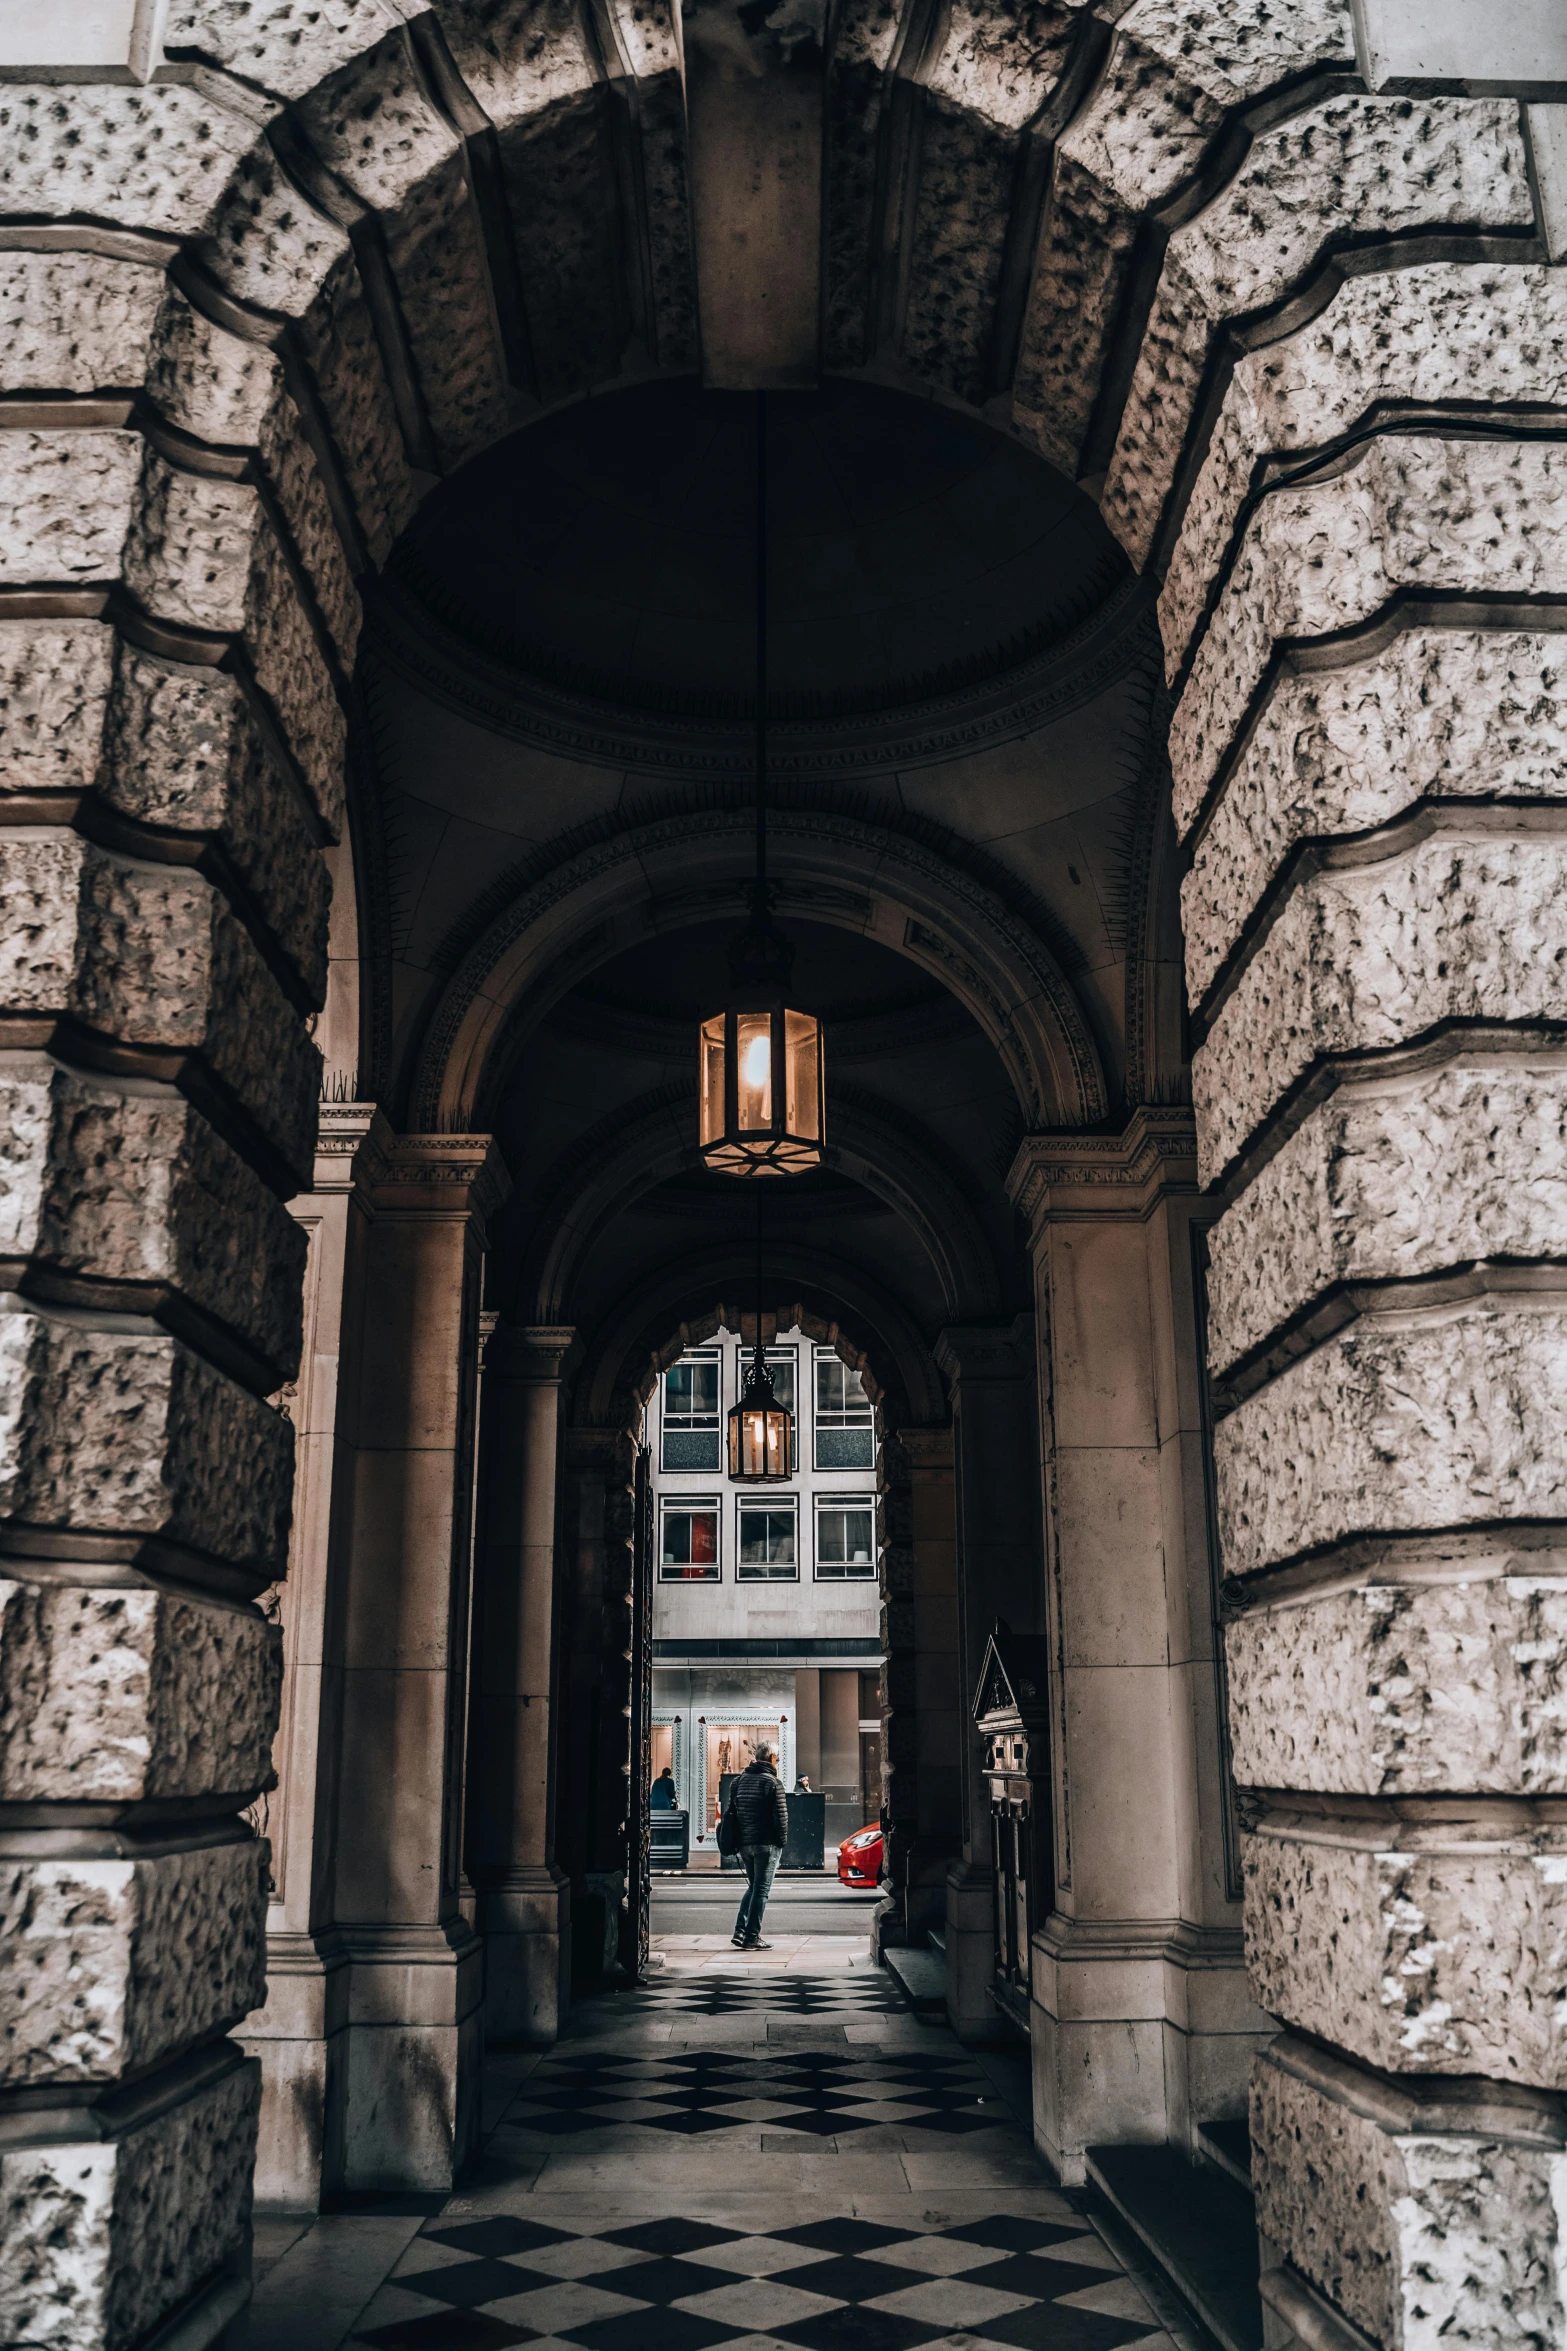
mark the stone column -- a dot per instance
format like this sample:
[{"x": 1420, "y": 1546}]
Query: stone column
[
  {"x": 922, "y": 1734},
  {"x": 1000, "y": 1572},
  {"x": 1142, "y": 2026},
  {"x": 1369, "y": 773},
  {"x": 299, "y": 2033},
  {"x": 414, "y": 2028},
  {"x": 524, "y": 1910}
]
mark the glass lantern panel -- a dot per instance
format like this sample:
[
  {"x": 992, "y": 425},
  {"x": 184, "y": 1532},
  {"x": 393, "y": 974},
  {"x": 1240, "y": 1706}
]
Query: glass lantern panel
[
  {"x": 712, "y": 1079},
  {"x": 803, "y": 1074},
  {"x": 754, "y": 1051},
  {"x": 760, "y": 1443}
]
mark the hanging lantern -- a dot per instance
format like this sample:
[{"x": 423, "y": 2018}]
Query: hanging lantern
[
  {"x": 762, "y": 1072},
  {"x": 761, "y": 1430}
]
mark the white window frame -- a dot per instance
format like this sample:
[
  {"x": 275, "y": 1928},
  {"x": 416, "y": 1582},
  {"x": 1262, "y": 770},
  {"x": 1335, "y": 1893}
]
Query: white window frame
[
  {"x": 846, "y": 1571},
  {"x": 766, "y": 1501},
  {"x": 687, "y": 1503},
  {"x": 683, "y": 1422},
  {"x": 836, "y": 1423}
]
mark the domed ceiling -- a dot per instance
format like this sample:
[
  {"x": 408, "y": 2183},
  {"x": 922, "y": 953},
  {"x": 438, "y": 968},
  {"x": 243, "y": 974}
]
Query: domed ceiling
[{"x": 609, "y": 550}]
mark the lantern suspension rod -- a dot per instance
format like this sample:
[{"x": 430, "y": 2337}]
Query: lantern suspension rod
[
  {"x": 761, "y": 655},
  {"x": 759, "y": 1273}
]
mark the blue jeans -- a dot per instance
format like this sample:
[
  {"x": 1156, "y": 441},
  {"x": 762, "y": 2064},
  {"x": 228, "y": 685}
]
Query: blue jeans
[{"x": 761, "y": 1867}]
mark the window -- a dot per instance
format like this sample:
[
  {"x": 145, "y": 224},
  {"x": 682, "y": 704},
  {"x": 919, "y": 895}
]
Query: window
[
  {"x": 688, "y": 1540},
  {"x": 692, "y": 1439},
  {"x": 845, "y": 1436},
  {"x": 767, "y": 1541},
  {"x": 845, "y": 1536},
  {"x": 780, "y": 1364}
]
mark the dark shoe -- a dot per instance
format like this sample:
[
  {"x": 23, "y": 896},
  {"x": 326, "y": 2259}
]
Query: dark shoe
[
  {"x": 758, "y": 1945},
  {"x": 738, "y": 1942}
]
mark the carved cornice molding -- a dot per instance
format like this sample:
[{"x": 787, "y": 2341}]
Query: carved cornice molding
[
  {"x": 531, "y": 1352},
  {"x": 926, "y": 1448},
  {"x": 439, "y": 1176},
  {"x": 352, "y": 1140},
  {"x": 1105, "y": 1175},
  {"x": 417, "y": 645}
]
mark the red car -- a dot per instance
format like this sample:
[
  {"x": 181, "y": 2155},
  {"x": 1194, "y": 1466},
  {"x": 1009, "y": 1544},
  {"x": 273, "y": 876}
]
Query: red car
[{"x": 859, "y": 1858}]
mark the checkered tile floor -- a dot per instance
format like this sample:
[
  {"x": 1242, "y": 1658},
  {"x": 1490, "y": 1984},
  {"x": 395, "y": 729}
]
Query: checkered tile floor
[
  {"x": 828, "y": 2285},
  {"x": 694, "y": 1994},
  {"x": 827, "y": 2094}
]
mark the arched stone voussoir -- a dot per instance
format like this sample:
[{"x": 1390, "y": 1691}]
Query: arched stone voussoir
[
  {"x": 834, "y": 869},
  {"x": 1350, "y": 167},
  {"x": 649, "y": 1141}
]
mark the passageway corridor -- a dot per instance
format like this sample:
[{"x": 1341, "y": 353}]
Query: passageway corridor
[{"x": 749, "y": 2158}]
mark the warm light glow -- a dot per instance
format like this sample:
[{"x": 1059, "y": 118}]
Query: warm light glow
[
  {"x": 756, "y": 1060},
  {"x": 760, "y": 1091}
]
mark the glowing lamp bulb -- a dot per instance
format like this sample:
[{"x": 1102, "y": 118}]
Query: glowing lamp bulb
[{"x": 756, "y": 1060}]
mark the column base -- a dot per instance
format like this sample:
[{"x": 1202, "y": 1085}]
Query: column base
[
  {"x": 415, "y": 2046},
  {"x": 1141, "y": 2030},
  {"x": 971, "y": 1954},
  {"x": 299, "y": 2038},
  {"x": 525, "y": 1916}
]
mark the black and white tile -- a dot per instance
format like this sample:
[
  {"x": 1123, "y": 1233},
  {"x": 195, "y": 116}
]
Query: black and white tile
[
  {"x": 1005, "y": 2283},
  {"x": 817, "y": 2093},
  {"x": 735, "y": 1992}
]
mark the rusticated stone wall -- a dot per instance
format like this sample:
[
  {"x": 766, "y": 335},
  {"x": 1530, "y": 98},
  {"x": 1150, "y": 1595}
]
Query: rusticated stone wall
[{"x": 1363, "y": 634}]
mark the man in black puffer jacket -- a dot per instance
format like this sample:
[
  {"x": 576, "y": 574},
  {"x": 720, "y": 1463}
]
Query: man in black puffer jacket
[{"x": 763, "y": 1811}]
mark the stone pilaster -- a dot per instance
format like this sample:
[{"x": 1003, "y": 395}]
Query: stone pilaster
[
  {"x": 1142, "y": 2026},
  {"x": 414, "y": 2026},
  {"x": 923, "y": 1722},
  {"x": 299, "y": 2033},
  {"x": 524, "y": 1907},
  {"x": 1000, "y": 1573}
]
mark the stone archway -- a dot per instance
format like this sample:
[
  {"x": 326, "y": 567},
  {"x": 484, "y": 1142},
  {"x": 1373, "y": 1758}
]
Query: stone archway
[{"x": 1207, "y": 256}]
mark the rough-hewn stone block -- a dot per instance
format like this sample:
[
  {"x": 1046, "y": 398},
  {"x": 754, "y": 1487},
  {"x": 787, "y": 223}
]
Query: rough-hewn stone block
[
  {"x": 1390, "y": 1180},
  {"x": 55, "y": 680},
  {"x": 1440, "y": 331},
  {"x": 274, "y": 42},
  {"x": 1419, "y": 1947},
  {"x": 1488, "y": 516},
  {"x": 1425, "y": 1418},
  {"x": 1349, "y": 165},
  {"x": 1408, "y": 1688},
  {"x": 133, "y": 1437},
  {"x": 1423, "y": 2236},
  {"x": 183, "y": 749},
  {"x": 338, "y": 341},
  {"x": 68, "y": 500},
  {"x": 117, "y": 1963},
  {"x": 105, "y": 1184},
  {"x": 1454, "y": 713},
  {"x": 125, "y": 1696},
  {"x": 103, "y": 2240},
  {"x": 75, "y": 322},
  {"x": 153, "y": 956},
  {"x": 1455, "y": 928}
]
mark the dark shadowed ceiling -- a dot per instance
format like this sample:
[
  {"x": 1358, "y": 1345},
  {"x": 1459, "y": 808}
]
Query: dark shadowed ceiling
[{"x": 610, "y": 549}]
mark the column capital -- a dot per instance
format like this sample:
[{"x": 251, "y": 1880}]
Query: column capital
[
  {"x": 528, "y": 1351},
  {"x": 926, "y": 1448},
  {"x": 439, "y": 1176},
  {"x": 987, "y": 1351},
  {"x": 1067, "y": 1173},
  {"x": 352, "y": 1139}
]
